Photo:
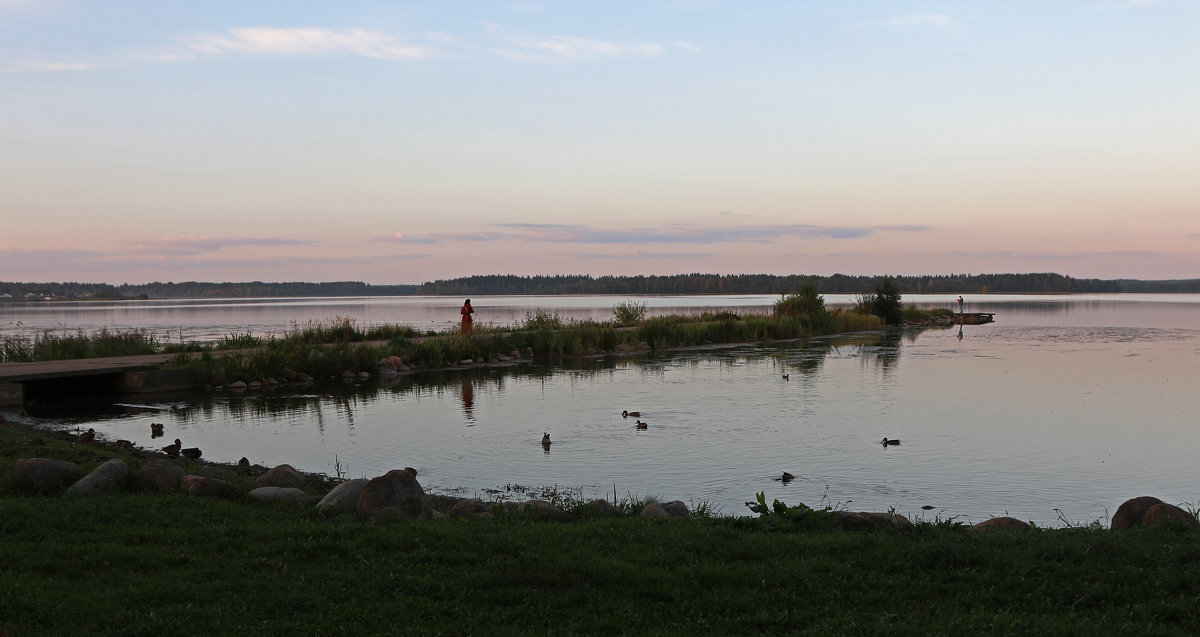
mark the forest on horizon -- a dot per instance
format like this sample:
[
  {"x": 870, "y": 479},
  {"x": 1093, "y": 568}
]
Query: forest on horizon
[{"x": 696, "y": 283}]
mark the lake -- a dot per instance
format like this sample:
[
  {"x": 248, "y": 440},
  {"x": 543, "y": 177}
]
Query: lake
[{"x": 1059, "y": 411}]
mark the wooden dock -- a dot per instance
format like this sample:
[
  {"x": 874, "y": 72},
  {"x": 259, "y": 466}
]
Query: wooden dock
[
  {"x": 974, "y": 318},
  {"x": 50, "y": 370}
]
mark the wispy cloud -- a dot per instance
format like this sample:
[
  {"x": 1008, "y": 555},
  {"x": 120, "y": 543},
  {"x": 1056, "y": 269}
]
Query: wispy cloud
[
  {"x": 931, "y": 19},
  {"x": 636, "y": 254},
  {"x": 308, "y": 41},
  {"x": 185, "y": 246},
  {"x": 560, "y": 49},
  {"x": 564, "y": 233},
  {"x": 42, "y": 66}
]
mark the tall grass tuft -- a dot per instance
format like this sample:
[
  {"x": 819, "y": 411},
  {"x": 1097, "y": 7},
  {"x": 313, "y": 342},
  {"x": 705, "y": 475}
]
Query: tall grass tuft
[{"x": 50, "y": 345}]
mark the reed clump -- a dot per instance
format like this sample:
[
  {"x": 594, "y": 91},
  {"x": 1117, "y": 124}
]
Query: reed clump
[{"x": 52, "y": 345}]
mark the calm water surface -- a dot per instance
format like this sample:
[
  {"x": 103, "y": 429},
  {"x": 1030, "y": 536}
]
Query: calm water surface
[{"x": 1061, "y": 410}]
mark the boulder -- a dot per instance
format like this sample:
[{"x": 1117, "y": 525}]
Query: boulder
[
  {"x": 397, "y": 492},
  {"x": 277, "y": 494},
  {"x": 343, "y": 496},
  {"x": 470, "y": 507},
  {"x": 677, "y": 509},
  {"x": 209, "y": 487},
  {"x": 599, "y": 509},
  {"x": 1131, "y": 511},
  {"x": 282, "y": 476},
  {"x": 221, "y": 473},
  {"x": 1003, "y": 522},
  {"x": 1163, "y": 513},
  {"x": 162, "y": 475},
  {"x": 541, "y": 509},
  {"x": 869, "y": 521},
  {"x": 45, "y": 475},
  {"x": 106, "y": 477}
]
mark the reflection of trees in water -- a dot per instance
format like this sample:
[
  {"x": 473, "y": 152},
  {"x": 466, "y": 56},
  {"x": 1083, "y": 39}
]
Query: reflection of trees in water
[{"x": 801, "y": 359}]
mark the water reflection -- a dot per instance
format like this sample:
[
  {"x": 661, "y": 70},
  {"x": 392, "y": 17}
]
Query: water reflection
[
  {"x": 1064, "y": 417},
  {"x": 341, "y": 401}
]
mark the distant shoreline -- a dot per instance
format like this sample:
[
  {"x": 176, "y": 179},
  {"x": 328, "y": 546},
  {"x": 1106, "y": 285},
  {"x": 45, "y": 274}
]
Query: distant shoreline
[{"x": 669, "y": 285}]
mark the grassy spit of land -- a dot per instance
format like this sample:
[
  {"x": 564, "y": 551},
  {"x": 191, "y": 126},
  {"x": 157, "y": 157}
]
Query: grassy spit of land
[
  {"x": 331, "y": 348},
  {"x": 140, "y": 563}
]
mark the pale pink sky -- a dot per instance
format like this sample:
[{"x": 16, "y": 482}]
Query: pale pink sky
[{"x": 402, "y": 142}]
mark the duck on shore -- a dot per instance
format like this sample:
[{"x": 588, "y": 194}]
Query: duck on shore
[
  {"x": 191, "y": 452},
  {"x": 87, "y": 437},
  {"x": 172, "y": 450}
]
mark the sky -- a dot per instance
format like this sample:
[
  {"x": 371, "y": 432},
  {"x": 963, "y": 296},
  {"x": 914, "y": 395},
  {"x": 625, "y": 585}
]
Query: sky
[{"x": 404, "y": 142}]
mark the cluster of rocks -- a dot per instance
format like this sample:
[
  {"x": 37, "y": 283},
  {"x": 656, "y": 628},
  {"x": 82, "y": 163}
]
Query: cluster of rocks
[
  {"x": 396, "y": 494},
  {"x": 1147, "y": 511}
]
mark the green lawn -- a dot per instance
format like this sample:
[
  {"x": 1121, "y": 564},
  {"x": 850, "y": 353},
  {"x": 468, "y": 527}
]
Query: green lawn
[{"x": 134, "y": 563}]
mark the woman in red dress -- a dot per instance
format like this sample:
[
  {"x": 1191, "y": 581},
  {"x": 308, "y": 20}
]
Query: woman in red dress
[{"x": 466, "y": 312}]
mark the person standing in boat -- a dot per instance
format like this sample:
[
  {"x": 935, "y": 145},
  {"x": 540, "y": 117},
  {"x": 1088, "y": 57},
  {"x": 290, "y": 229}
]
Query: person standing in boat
[
  {"x": 466, "y": 312},
  {"x": 960, "y": 304}
]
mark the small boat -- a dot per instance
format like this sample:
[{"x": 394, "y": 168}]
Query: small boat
[{"x": 974, "y": 318}]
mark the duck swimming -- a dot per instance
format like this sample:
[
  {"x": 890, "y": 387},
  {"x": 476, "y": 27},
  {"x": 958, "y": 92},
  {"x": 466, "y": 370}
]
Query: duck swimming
[
  {"x": 546, "y": 440},
  {"x": 787, "y": 477},
  {"x": 641, "y": 425},
  {"x": 626, "y": 414},
  {"x": 890, "y": 441}
]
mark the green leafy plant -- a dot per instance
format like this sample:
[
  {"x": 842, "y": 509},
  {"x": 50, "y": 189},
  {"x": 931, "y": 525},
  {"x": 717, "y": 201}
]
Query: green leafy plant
[{"x": 629, "y": 312}]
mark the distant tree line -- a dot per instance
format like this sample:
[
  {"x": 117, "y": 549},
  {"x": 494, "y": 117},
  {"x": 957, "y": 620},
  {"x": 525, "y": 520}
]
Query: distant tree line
[{"x": 695, "y": 283}]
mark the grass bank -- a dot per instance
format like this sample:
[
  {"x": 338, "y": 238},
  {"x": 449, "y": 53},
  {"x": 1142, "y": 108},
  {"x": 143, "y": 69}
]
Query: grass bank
[
  {"x": 317, "y": 354},
  {"x": 133, "y": 563}
]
